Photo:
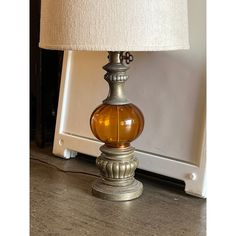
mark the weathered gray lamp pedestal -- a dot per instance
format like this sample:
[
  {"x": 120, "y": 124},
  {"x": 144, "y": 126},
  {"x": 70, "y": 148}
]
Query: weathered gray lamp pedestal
[
  {"x": 112, "y": 124},
  {"x": 117, "y": 182}
]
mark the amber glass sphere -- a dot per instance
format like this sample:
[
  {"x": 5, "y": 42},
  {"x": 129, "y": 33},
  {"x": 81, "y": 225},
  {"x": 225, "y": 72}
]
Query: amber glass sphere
[{"x": 117, "y": 125}]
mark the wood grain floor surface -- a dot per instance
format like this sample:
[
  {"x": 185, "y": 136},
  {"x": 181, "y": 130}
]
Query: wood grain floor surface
[{"x": 62, "y": 204}]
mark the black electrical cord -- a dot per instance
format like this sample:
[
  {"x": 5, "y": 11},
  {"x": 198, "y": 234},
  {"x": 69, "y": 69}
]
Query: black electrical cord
[{"x": 61, "y": 170}]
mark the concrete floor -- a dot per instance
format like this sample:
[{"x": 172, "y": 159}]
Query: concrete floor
[{"x": 62, "y": 204}]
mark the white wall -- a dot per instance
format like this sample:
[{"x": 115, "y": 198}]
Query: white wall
[{"x": 169, "y": 87}]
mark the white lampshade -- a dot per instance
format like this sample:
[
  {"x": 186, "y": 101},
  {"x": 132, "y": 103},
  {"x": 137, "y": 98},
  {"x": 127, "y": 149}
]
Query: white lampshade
[{"x": 114, "y": 25}]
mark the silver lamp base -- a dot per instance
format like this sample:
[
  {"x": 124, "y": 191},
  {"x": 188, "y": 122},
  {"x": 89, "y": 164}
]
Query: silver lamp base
[
  {"x": 114, "y": 193},
  {"x": 117, "y": 167}
]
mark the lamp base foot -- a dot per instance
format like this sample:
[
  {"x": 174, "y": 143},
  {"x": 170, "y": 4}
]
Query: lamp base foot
[{"x": 117, "y": 193}]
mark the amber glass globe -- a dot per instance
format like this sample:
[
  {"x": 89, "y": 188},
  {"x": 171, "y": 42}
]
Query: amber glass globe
[{"x": 117, "y": 125}]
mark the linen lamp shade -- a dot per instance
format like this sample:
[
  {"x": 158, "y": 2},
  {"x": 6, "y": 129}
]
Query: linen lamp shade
[{"x": 114, "y": 25}]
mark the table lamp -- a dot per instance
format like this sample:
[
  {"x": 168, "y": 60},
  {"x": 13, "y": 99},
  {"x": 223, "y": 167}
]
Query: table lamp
[{"x": 116, "y": 26}]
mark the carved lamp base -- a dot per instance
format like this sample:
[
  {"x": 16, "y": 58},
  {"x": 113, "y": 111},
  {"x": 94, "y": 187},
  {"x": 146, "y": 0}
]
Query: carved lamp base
[
  {"x": 117, "y": 122},
  {"x": 117, "y": 167}
]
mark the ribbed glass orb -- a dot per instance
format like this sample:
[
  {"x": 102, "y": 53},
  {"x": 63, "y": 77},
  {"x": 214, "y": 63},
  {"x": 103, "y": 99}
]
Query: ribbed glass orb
[{"x": 117, "y": 125}]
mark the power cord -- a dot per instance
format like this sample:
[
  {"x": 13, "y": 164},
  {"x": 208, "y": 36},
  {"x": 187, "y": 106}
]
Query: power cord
[{"x": 61, "y": 170}]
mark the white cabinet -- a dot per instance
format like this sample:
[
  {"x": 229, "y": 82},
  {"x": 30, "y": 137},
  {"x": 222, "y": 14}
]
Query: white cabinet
[{"x": 169, "y": 87}]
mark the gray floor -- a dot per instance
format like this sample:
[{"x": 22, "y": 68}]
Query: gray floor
[{"x": 62, "y": 204}]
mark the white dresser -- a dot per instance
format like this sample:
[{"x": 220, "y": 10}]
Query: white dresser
[{"x": 169, "y": 88}]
